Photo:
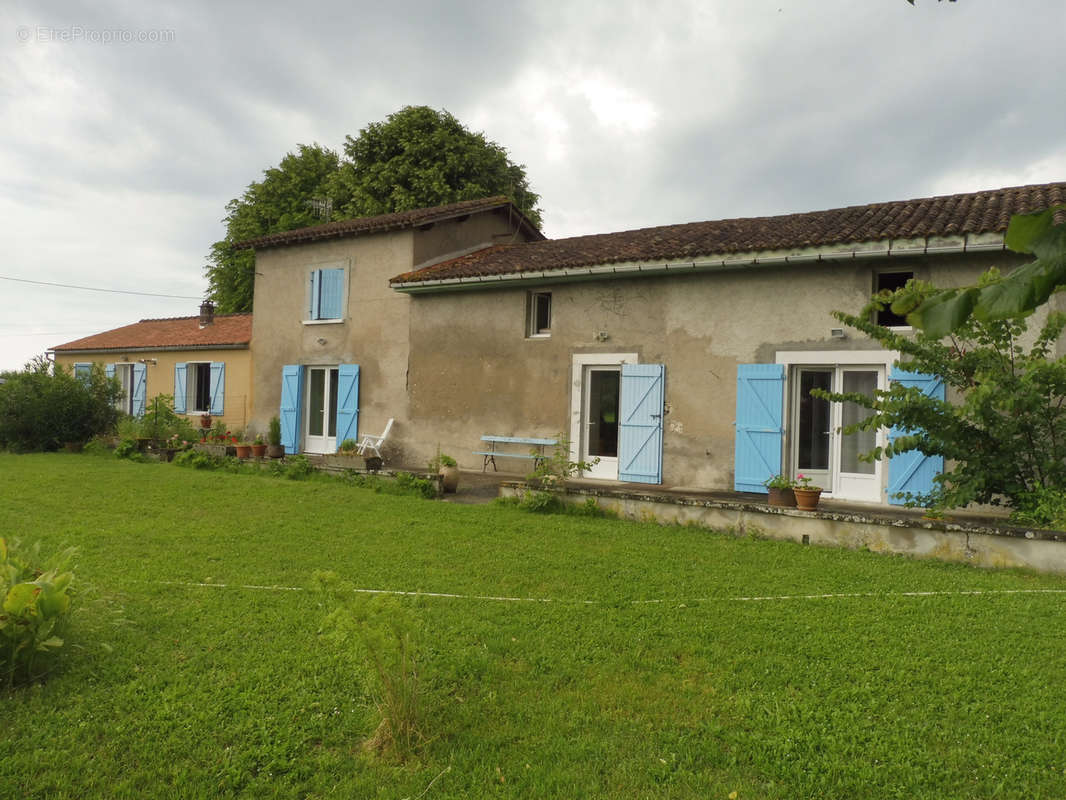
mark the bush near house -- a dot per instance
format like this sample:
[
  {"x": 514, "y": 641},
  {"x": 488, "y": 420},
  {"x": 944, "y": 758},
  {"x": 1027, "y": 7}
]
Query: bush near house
[
  {"x": 43, "y": 409},
  {"x": 1002, "y": 434}
]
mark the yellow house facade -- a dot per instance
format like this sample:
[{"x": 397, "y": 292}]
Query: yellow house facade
[{"x": 204, "y": 362}]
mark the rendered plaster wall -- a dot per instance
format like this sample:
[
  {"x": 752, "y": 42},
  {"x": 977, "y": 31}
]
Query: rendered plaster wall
[
  {"x": 473, "y": 371},
  {"x": 374, "y": 332},
  {"x": 237, "y": 400}
]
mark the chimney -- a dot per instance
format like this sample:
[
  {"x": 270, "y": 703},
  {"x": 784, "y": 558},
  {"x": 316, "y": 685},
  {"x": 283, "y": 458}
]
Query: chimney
[{"x": 207, "y": 313}]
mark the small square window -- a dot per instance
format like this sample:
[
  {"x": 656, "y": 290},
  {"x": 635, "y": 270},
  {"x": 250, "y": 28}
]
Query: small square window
[
  {"x": 539, "y": 314},
  {"x": 890, "y": 281}
]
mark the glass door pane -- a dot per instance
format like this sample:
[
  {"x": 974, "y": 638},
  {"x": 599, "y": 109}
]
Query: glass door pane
[
  {"x": 333, "y": 402},
  {"x": 316, "y": 402},
  {"x": 814, "y": 425},
  {"x": 603, "y": 413},
  {"x": 852, "y": 445}
]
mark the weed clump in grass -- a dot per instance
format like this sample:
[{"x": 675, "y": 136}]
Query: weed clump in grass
[{"x": 382, "y": 632}]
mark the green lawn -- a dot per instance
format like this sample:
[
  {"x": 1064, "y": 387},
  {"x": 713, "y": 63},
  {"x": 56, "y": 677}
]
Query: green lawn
[{"x": 169, "y": 689}]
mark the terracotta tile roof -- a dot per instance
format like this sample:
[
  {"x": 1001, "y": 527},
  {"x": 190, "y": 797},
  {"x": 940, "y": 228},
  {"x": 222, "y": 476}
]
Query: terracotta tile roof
[
  {"x": 175, "y": 333},
  {"x": 949, "y": 215},
  {"x": 389, "y": 222}
]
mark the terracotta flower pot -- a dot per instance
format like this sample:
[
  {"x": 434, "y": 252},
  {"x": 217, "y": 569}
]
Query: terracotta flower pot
[
  {"x": 244, "y": 451},
  {"x": 259, "y": 450},
  {"x": 276, "y": 450},
  {"x": 449, "y": 477},
  {"x": 784, "y": 498},
  {"x": 807, "y": 499}
]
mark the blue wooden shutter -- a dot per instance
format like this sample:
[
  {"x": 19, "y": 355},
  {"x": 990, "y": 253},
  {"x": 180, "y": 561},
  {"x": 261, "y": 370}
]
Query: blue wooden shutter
[
  {"x": 347, "y": 402},
  {"x": 913, "y": 472},
  {"x": 109, "y": 370},
  {"x": 83, "y": 371},
  {"x": 179, "y": 388},
  {"x": 760, "y": 425},
  {"x": 140, "y": 388},
  {"x": 218, "y": 388},
  {"x": 640, "y": 429},
  {"x": 330, "y": 293},
  {"x": 312, "y": 312},
  {"x": 291, "y": 391}
]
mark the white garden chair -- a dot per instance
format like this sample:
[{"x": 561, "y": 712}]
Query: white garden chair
[{"x": 371, "y": 442}]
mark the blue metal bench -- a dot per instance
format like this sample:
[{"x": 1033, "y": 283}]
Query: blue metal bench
[{"x": 536, "y": 456}]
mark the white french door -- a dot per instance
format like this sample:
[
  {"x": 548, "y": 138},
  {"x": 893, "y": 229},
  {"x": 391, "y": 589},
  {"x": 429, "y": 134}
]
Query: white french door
[
  {"x": 320, "y": 417},
  {"x": 820, "y": 449},
  {"x": 601, "y": 390}
]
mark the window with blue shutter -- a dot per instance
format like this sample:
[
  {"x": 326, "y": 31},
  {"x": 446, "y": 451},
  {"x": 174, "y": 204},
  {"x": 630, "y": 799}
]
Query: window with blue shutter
[
  {"x": 218, "y": 388},
  {"x": 640, "y": 429},
  {"x": 180, "y": 388},
  {"x": 913, "y": 472},
  {"x": 327, "y": 294},
  {"x": 140, "y": 389},
  {"x": 347, "y": 402},
  {"x": 760, "y": 429},
  {"x": 83, "y": 371},
  {"x": 291, "y": 386}
]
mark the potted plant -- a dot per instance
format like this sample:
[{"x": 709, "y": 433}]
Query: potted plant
[
  {"x": 259, "y": 447},
  {"x": 244, "y": 447},
  {"x": 348, "y": 447},
  {"x": 448, "y": 470},
  {"x": 274, "y": 448},
  {"x": 807, "y": 496},
  {"x": 780, "y": 491},
  {"x": 206, "y": 421}
]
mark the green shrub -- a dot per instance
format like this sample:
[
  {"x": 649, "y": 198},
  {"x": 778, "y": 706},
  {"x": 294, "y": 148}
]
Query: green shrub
[
  {"x": 298, "y": 467},
  {"x": 1043, "y": 508},
  {"x": 36, "y": 601},
  {"x": 196, "y": 459},
  {"x": 383, "y": 633},
  {"x": 128, "y": 448},
  {"x": 98, "y": 446},
  {"x": 43, "y": 409},
  {"x": 541, "y": 502},
  {"x": 274, "y": 431}
]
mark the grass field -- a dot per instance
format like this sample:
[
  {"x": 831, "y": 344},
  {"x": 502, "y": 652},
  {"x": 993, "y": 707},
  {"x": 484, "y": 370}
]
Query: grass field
[{"x": 169, "y": 688}]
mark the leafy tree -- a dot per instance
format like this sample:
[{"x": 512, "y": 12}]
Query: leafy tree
[
  {"x": 1020, "y": 291},
  {"x": 420, "y": 157},
  {"x": 42, "y": 409},
  {"x": 293, "y": 194},
  {"x": 1002, "y": 431},
  {"x": 416, "y": 158}
]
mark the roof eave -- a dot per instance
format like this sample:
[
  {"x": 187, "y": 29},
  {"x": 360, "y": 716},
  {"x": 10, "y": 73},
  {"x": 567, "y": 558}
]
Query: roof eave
[
  {"x": 856, "y": 252},
  {"x": 162, "y": 349}
]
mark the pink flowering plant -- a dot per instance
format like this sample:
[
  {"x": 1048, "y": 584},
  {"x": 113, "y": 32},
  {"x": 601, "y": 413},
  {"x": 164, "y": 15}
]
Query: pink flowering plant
[{"x": 803, "y": 482}]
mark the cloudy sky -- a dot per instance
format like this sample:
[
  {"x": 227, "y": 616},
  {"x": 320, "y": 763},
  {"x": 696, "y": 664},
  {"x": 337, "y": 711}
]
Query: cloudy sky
[{"x": 125, "y": 127}]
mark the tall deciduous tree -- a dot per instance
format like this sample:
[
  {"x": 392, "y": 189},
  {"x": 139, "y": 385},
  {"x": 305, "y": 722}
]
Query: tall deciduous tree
[
  {"x": 294, "y": 194},
  {"x": 416, "y": 158},
  {"x": 420, "y": 157}
]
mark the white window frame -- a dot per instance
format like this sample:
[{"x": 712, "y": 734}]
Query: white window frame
[
  {"x": 190, "y": 392},
  {"x": 344, "y": 265},
  {"x": 877, "y": 280},
  {"x": 533, "y": 300},
  {"x": 124, "y": 373}
]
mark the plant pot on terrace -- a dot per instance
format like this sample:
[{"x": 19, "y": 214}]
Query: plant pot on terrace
[
  {"x": 275, "y": 449},
  {"x": 244, "y": 450},
  {"x": 779, "y": 490},
  {"x": 448, "y": 470}
]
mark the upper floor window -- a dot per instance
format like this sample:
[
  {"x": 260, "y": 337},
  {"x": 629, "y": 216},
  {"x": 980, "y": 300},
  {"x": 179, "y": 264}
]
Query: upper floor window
[
  {"x": 891, "y": 281},
  {"x": 539, "y": 314},
  {"x": 326, "y": 294}
]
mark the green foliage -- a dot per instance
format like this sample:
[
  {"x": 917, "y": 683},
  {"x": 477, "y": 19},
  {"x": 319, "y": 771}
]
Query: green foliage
[
  {"x": 36, "y": 599},
  {"x": 1003, "y": 435},
  {"x": 348, "y": 446},
  {"x": 420, "y": 157},
  {"x": 383, "y": 632},
  {"x": 163, "y": 425},
  {"x": 197, "y": 459},
  {"x": 554, "y": 469},
  {"x": 1022, "y": 290},
  {"x": 1043, "y": 508},
  {"x": 298, "y": 467},
  {"x": 416, "y": 158},
  {"x": 42, "y": 408},
  {"x": 274, "y": 431},
  {"x": 98, "y": 446},
  {"x": 441, "y": 460},
  {"x": 779, "y": 482},
  {"x": 128, "y": 448},
  {"x": 281, "y": 201},
  {"x": 539, "y": 501}
]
